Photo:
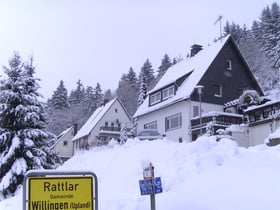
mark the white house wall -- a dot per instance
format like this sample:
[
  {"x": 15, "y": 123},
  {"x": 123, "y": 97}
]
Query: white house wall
[
  {"x": 110, "y": 116},
  {"x": 186, "y": 108},
  {"x": 65, "y": 150},
  {"x": 160, "y": 115},
  {"x": 258, "y": 133},
  {"x": 206, "y": 107}
]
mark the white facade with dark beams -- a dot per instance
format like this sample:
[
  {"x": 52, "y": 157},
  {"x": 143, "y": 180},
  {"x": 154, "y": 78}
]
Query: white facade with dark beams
[{"x": 174, "y": 102}]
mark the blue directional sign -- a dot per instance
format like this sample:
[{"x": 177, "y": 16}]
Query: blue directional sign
[
  {"x": 157, "y": 185},
  {"x": 150, "y": 186},
  {"x": 146, "y": 187}
]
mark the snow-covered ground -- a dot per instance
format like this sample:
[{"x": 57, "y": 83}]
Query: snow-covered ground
[{"x": 203, "y": 175}]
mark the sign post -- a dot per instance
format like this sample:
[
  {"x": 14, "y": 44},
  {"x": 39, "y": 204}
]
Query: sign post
[
  {"x": 60, "y": 190},
  {"x": 150, "y": 185}
]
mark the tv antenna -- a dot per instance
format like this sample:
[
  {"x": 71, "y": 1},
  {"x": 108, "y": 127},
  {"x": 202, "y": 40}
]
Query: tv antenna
[{"x": 219, "y": 19}]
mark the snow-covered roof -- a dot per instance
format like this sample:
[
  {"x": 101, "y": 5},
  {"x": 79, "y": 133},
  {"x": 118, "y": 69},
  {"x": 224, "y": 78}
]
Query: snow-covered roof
[
  {"x": 93, "y": 120},
  {"x": 61, "y": 135},
  {"x": 269, "y": 103},
  {"x": 195, "y": 66}
]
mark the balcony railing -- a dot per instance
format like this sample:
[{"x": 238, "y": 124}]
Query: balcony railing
[
  {"x": 110, "y": 128},
  {"x": 217, "y": 119}
]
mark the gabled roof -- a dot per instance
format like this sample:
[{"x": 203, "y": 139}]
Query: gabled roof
[
  {"x": 193, "y": 69},
  {"x": 61, "y": 135},
  {"x": 95, "y": 118}
]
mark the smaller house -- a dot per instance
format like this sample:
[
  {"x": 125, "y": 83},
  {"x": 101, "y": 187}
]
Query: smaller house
[
  {"x": 104, "y": 124},
  {"x": 262, "y": 120},
  {"x": 63, "y": 147}
]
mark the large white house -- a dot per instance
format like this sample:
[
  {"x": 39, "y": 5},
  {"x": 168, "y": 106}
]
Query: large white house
[{"x": 222, "y": 74}]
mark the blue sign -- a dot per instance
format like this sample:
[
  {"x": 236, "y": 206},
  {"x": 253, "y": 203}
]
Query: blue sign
[
  {"x": 146, "y": 187},
  {"x": 157, "y": 185},
  {"x": 150, "y": 186}
]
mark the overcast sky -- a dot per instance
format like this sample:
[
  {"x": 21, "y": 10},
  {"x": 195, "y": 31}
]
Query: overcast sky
[{"x": 98, "y": 41}]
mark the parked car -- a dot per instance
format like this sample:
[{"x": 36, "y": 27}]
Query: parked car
[{"x": 148, "y": 134}]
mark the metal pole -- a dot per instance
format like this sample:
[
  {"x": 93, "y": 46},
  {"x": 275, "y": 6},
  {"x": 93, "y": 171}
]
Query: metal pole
[
  {"x": 200, "y": 119},
  {"x": 152, "y": 196},
  {"x": 153, "y": 201}
]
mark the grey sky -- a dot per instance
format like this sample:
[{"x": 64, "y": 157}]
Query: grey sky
[{"x": 97, "y": 41}]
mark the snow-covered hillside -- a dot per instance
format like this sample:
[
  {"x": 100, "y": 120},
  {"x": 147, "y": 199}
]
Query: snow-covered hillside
[{"x": 203, "y": 175}]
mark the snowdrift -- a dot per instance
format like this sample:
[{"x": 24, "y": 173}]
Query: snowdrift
[{"x": 202, "y": 175}]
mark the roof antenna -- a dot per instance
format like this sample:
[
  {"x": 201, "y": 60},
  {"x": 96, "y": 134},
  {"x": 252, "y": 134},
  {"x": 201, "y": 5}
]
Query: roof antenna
[{"x": 219, "y": 19}]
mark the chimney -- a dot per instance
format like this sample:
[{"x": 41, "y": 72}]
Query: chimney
[
  {"x": 105, "y": 101},
  {"x": 195, "y": 49},
  {"x": 75, "y": 128}
]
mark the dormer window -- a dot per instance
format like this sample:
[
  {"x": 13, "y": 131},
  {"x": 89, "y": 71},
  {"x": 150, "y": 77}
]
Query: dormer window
[
  {"x": 162, "y": 95},
  {"x": 229, "y": 66},
  {"x": 155, "y": 98},
  {"x": 168, "y": 92}
]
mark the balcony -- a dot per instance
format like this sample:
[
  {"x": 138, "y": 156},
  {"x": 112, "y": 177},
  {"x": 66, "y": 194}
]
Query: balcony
[
  {"x": 218, "y": 120},
  {"x": 109, "y": 130}
]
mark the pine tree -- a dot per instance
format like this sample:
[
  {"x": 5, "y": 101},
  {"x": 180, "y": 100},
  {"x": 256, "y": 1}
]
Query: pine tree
[
  {"x": 269, "y": 38},
  {"x": 148, "y": 74},
  {"x": 143, "y": 91},
  {"x": 98, "y": 96},
  {"x": 78, "y": 95},
  {"x": 59, "y": 98},
  {"x": 127, "y": 91},
  {"x": 239, "y": 34},
  {"x": 24, "y": 145},
  {"x": 165, "y": 65},
  {"x": 108, "y": 95}
]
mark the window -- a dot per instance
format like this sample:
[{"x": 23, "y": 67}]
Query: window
[
  {"x": 218, "y": 90},
  {"x": 116, "y": 110},
  {"x": 151, "y": 125},
  {"x": 65, "y": 143},
  {"x": 229, "y": 66},
  {"x": 168, "y": 92},
  {"x": 195, "y": 111},
  {"x": 155, "y": 98},
  {"x": 266, "y": 112},
  {"x": 173, "y": 122}
]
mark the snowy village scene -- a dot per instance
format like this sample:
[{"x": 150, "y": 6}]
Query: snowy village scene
[{"x": 139, "y": 105}]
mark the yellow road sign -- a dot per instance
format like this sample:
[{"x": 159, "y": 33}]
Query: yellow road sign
[{"x": 60, "y": 191}]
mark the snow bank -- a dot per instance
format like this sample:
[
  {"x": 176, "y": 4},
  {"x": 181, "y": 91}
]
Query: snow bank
[{"x": 202, "y": 175}]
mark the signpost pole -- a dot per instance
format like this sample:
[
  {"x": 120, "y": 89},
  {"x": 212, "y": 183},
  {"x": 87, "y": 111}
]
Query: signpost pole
[
  {"x": 151, "y": 185},
  {"x": 153, "y": 201}
]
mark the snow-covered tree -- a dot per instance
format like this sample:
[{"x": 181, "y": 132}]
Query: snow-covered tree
[
  {"x": 127, "y": 91},
  {"x": 142, "y": 90},
  {"x": 238, "y": 33},
  {"x": 123, "y": 136},
  {"x": 108, "y": 95},
  {"x": 98, "y": 95},
  {"x": 147, "y": 73},
  {"x": 59, "y": 99},
  {"x": 165, "y": 64},
  {"x": 78, "y": 95},
  {"x": 267, "y": 32},
  {"x": 24, "y": 144}
]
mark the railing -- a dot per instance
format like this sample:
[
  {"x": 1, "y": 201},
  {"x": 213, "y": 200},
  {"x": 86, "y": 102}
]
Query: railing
[
  {"x": 223, "y": 120},
  {"x": 110, "y": 128}
]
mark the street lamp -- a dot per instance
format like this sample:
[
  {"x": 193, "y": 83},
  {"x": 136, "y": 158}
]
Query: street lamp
[{"x": 199, "y": 91}]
